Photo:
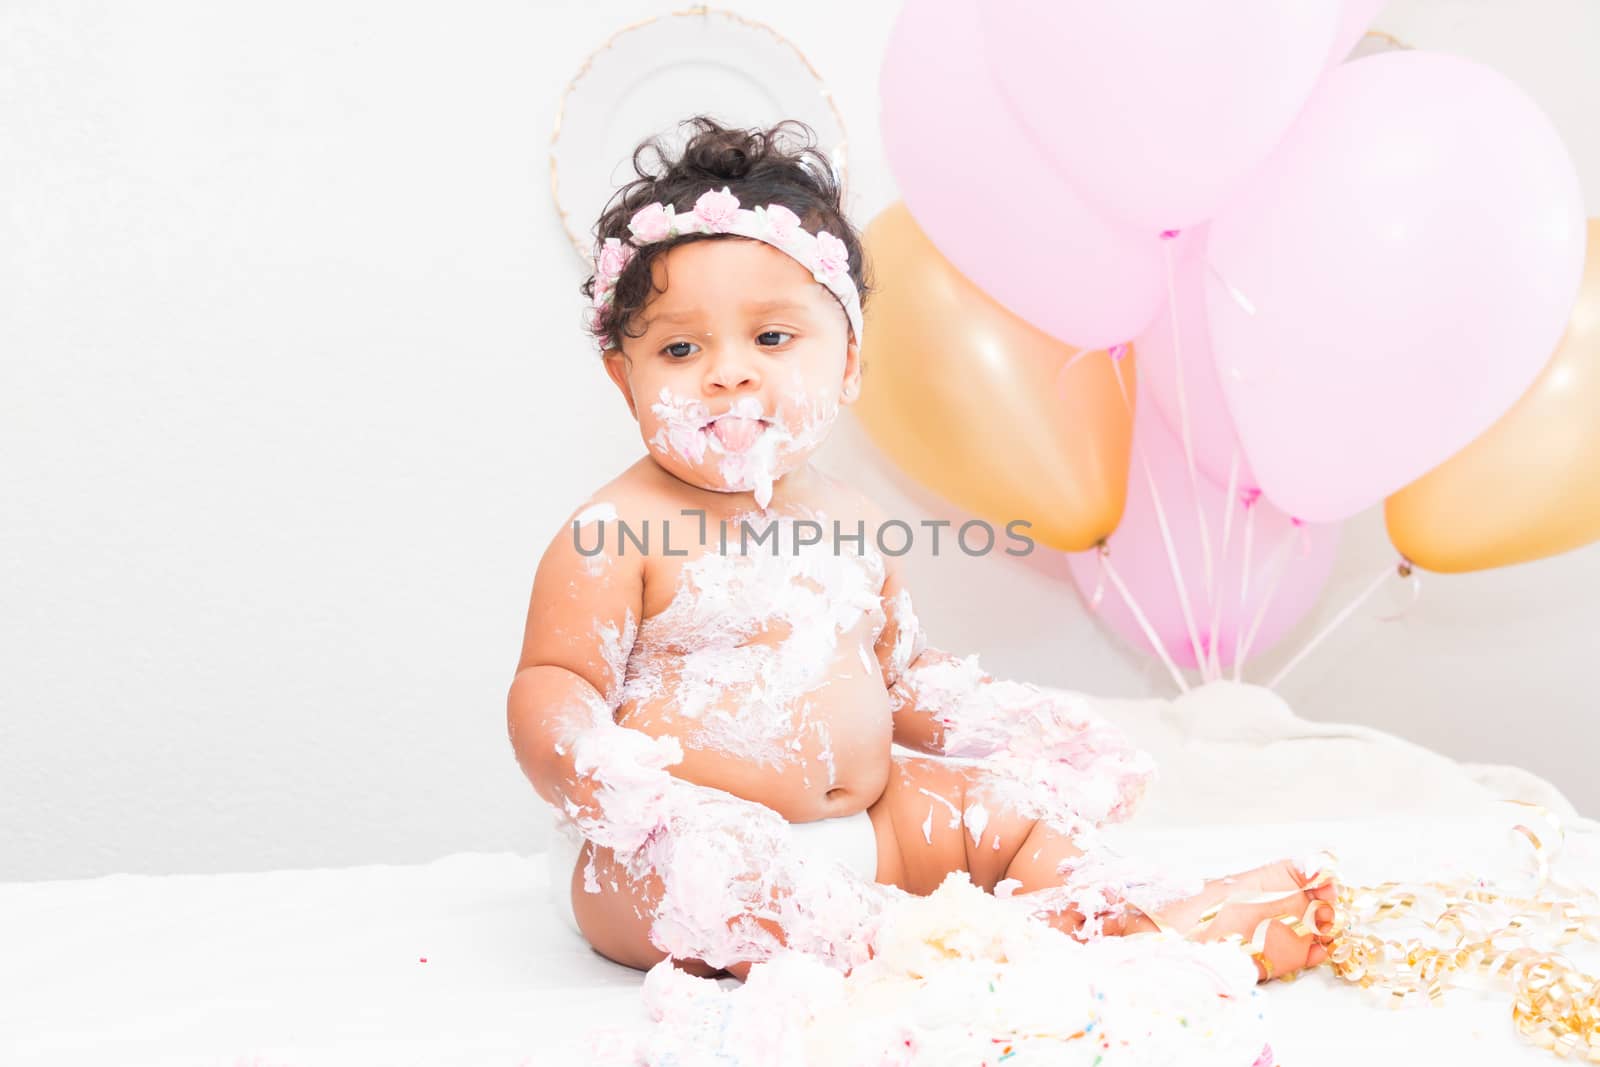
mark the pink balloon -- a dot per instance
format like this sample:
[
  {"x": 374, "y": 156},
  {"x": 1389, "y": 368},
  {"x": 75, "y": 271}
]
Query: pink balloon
[
  {"x": 991, "y": 204},
  {"x": 1393, "y": 278},
  {"x": 1288, "y": 565},
  {"x": 1211, "y": 434},
  {"x": 1156, "y": 109}
]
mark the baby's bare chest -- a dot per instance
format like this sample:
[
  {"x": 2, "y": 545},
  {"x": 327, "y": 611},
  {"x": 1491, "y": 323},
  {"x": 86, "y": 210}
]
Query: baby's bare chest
[
  {"x": 763, "y": 583},
  {"x": 761, "y": 659}
]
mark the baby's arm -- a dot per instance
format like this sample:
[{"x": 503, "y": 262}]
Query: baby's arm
[
  {"x": 948, "y": 705},
  {"x": 733, "y": 890},
  {"x": 582, "y": 618}
]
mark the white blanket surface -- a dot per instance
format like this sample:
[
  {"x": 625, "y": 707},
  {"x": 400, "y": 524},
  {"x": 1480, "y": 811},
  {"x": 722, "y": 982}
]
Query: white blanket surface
[{"x": 310, "y": 967}]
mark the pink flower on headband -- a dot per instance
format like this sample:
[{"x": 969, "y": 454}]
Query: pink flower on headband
[
  {"x": 783, "y": 222},
  {"x": 833, "y": 258},
  {"x": 614, "y": 259},
  {"x": 650, "y": 223},
  {"x": 717, "y": 210}
]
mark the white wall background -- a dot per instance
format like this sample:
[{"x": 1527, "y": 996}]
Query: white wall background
[{"x": 291, "y": 397}]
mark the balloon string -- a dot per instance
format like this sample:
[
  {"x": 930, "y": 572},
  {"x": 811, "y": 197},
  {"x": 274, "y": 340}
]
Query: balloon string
[
  {"x": 1414, "y": 580},
  {"x": 1248, "y": 499},
  {"x": 1099, "y": 583},
  {"x": 1161, "y": 518},
  {"x": 1073, "y": 362},
  {"x": 1249, "y": 504},
  {"x": 1403, "y": 569},
  {"x": 1278, "y": 566},
  {"x": 1139, "y": 617},
  {"x": 1239, "y": 298},
  {"x": 1183, "y": 417},
  {"x": 1227, "y": 530}
]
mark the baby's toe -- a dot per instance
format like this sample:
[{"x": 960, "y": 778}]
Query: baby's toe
[{"x": 1286, "y": 952}]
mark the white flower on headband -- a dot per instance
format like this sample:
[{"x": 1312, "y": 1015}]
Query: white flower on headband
[{"x": 717, "y": 211}]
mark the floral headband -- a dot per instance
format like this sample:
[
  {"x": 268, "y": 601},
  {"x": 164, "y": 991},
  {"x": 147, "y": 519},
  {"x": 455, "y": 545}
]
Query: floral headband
[{"x": 823, "y": 254}]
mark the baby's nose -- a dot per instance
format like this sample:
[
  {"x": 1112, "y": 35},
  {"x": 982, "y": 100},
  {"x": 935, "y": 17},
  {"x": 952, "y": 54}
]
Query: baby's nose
[{"x": 728, "y": 374}]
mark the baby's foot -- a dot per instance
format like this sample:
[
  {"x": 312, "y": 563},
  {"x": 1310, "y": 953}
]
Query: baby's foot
[{"x": 1283, "y": 916}]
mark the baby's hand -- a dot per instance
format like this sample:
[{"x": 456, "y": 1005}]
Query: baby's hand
[
  {"x": 1078, "y": 756},
  {"x": 1060, "y": 724}
]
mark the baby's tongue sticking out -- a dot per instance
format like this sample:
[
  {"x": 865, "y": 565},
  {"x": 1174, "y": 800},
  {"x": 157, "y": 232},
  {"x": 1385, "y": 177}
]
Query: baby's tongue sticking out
[{"x": 736, "y": 432}]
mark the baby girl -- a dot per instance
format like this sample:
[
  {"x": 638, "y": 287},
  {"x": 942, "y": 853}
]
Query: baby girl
[{"x": 719, "y": 656}]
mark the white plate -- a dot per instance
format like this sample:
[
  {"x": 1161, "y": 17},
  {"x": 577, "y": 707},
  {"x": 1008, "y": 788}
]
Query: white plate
[{"x": 648, "y": 78}]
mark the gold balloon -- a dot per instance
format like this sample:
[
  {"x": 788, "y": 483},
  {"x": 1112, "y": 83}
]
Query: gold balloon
[
  {"x": 983, "y": 408},
  {"x": 1529, "y": 487}
]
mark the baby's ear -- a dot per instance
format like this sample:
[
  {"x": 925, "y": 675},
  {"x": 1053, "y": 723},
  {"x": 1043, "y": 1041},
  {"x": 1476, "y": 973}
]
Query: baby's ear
[
  {"x": 617, "y": 368},
  {"x": 851, "y": 389}
]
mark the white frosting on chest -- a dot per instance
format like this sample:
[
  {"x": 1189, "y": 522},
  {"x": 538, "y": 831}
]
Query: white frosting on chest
[{"x": 748, "y": 635}]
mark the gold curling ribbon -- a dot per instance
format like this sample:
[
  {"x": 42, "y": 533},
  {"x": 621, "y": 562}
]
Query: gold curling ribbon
[{"x": 1486, "y": 933}]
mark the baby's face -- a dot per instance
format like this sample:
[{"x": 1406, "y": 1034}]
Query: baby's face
[{"x": 742, "y": 363}]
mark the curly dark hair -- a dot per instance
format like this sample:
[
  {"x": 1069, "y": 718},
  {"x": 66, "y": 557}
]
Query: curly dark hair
[{"x": 780, "y": 165}]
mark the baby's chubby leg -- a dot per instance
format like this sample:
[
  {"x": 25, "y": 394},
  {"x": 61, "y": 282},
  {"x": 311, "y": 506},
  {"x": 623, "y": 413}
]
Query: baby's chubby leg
[
  {"x": 616, "y": 920},
  {"x": 942, "y": 817},
  {"x": 718, "y": 882},
  {"x": 951, "y": 817},
  {"x": 1282, "y": 913},
  {"x": 935, "y": 817},
  {"x": 915, "y": 852}
]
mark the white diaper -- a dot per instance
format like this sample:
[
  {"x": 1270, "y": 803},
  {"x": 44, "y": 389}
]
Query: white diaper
[{"x": 848, "y": 839}]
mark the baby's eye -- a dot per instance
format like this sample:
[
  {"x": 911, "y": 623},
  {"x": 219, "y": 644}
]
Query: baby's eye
[
  {"x": 771, "y": 338},
  {"x": 679, "y": 349}
]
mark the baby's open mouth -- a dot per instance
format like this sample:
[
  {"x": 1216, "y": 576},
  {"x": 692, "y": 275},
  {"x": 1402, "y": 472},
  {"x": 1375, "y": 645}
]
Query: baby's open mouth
[{"x": 736, "y": 432}]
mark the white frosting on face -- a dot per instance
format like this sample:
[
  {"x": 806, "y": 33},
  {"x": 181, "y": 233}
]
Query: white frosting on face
[
  {"x": 683, "y": 436},
  {"x": 682, "y": 426}
]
